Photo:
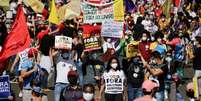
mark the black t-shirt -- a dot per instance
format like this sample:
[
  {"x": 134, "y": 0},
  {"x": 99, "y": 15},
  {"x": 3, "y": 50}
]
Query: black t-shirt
[
  {"x": 197, "y": 59},
  {"x": 135, "y": 73},
  {"x": 162, "y": 76}
]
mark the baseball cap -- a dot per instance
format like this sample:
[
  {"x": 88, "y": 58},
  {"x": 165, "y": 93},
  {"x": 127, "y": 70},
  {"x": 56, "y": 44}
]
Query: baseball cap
[
  {"x": 32, "y": 52},
  {"x": 73, "y": 73},
  {"x": 148, "y": 85}
]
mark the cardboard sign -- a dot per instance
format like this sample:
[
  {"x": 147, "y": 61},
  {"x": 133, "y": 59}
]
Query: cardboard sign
[
  {"x": 92, "y": 43},
  {"x": 4, "y": 87},
  {"x": 63, "y": 42},
  {"x": 36, "y": 5},
  {"x": 112, "y": 29},
  {"x": 96, "y": 14}
]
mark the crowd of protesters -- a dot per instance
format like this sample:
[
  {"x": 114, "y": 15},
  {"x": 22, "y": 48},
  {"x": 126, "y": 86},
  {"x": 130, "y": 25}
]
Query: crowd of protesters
[{"x": 162, "y": 46}]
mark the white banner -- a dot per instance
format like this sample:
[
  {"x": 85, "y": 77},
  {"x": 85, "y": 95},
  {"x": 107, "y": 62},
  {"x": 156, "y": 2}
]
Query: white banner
[{"x": 112, "y": 29}]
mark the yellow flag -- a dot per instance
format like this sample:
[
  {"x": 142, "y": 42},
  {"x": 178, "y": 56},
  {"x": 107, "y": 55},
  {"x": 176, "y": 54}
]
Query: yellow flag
[
  {"x": 53, "y": 17},
  {"x": 195, "y": 85},
  {"x": 118, "y": 10}
]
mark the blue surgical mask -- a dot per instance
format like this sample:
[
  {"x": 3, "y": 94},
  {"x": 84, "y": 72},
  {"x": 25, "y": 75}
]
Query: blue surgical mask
[{"x": 65, "y": 55}]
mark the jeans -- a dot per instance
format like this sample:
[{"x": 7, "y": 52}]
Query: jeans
[
  {"x": 159, "y": 96},
  {"x": 113, "y": 97},
  {"x": 179, "y": 96},
  {"x": 134, "y": 93},
  {"x": 79, "y": 70},
  {"x": 57, "y": 91}
]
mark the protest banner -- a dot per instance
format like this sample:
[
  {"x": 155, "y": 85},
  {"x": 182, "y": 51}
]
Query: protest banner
[
  {"x": 36, "y": 5},
  {"x": 91, "y": 36},
  {"x": 96, "y": 13},
  {"x": 4, "y": 87},
  {"x": 112, "y": 29},
  {"x": 63, "y": 42}
]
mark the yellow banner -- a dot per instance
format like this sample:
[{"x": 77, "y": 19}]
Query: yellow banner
[
  {"x": 118, "y": 10},
  {"x": 36, "y": 5}
]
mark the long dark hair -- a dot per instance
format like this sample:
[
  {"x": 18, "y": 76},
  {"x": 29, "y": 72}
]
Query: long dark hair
[{"x": 109, "y": 62}]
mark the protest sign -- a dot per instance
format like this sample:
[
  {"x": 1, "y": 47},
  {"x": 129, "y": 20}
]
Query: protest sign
[
  {"x": 96, "y": 14},
  {"x": 92, "y": 43},
  {"x": 112, "y": 29},
  {"x": 63, "y": 42},
  {"x": 4, "y": 87},
  {"x": 36, "y": 5}
]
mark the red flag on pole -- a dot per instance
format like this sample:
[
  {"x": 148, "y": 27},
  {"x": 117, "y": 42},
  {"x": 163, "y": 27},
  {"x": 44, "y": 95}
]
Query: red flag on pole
[{"x": 18, "y": 39}]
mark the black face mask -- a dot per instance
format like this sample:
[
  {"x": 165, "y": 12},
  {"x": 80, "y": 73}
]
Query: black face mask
[{"x": 72, "y": 80}]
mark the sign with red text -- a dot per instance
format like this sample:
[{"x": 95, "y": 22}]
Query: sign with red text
[{"x": 94, "y": 13}]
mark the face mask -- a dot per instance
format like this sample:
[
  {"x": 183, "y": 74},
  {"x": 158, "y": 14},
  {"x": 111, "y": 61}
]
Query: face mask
[
  {"x": 94, "y": 56},
  {"x": 109, "y": 40},
  {"x": 168, "y": 59},
  {"x": 88, "y": 96},
  {"x": 144, "y": 38},
  {"x": 65, "y": 55},
  {"x": 152, "y": 39},
  {"x": 159, "y": 40},
  {"x": 114, "y": 65},
  {"x": 126, "y": 37},
  {"x": 72, "y": 80}
]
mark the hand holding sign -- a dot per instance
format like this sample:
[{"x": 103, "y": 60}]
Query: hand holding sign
[{"x": 63, "y": 42}]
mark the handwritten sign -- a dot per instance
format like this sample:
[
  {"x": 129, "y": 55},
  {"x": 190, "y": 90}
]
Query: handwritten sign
[
  {"x": 95, "y": 14},
  {"x": 4, "y": 87},
  {"x": 63, "y": 42},
  {"x": 112, "y": 29}
]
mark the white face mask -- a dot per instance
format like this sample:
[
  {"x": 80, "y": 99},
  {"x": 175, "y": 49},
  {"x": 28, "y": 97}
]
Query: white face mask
[
  {"x": 144, "y": 38},
  {"x": 109, "y": 40},
  {"x": 88, "y": 96},
  {"x": 168, "y": 59},
  {"x": 114, "y": 65}
]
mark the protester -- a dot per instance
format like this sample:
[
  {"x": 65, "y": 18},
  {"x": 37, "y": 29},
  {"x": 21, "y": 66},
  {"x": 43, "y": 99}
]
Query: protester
[
  {"x": 149, "y": 88},
  {"x": 113, "y": 82},
  {"x": 163, "y": 35},
  {"x": 88, "y": 93},
  {"x": 64, "y": 64},
  {"x": 28, "y": 69},
  {"x": 158, "y": 70},
  {"x": 72, "y": 92}
]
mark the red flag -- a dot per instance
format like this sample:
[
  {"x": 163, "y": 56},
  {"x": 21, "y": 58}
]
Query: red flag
[{"x": 18, "y": 39}]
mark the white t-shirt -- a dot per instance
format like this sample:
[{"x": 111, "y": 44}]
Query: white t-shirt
[
  {"x": 63, "y": 67},
  {"x": 23, "y": 57},
  {"x": 114, "y": 81}
]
